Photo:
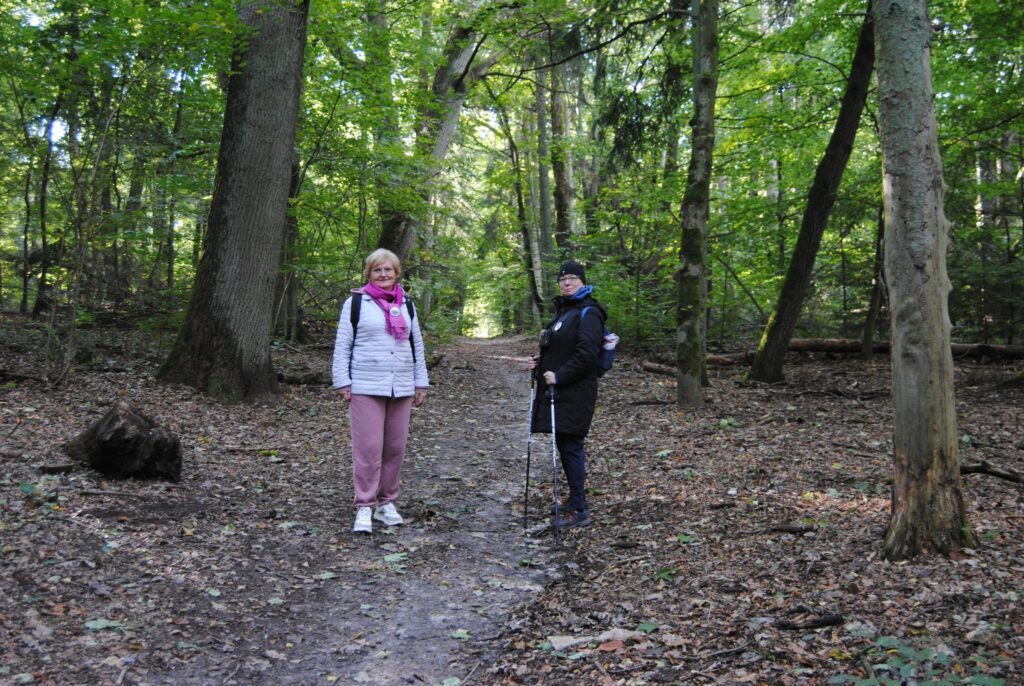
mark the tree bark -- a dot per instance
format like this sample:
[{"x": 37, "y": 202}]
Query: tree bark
[
  {"x": 223, "y": 347},
  {"x": 287, "y": 317},
  {"x": 927, "y": 511},
  {"x": 771, "y": 352},
  {"x": 561, "y": 163},
  {"x": 877, "y": 286},
  {"x": 691, "y": 274},
  {"x": 543, "y": 162}
]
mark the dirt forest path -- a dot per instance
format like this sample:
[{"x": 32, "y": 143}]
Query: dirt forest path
[
  {"x": 247, "y": 572},
  {"x": 409, "y": 599}
]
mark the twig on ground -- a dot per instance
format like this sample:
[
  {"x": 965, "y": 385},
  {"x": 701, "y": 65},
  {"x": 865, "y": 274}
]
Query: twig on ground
[
  {"x": 814, "y": 623},
  {"x": 472, "y": 672},
  {"x": 618, "y": 564},
  {"x": 234, "y": 671}
]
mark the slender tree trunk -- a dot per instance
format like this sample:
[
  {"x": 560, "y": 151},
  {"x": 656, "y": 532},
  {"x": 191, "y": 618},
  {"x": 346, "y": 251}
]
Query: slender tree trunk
[
  {"x": 543, "y": 162},
  {"x": 691, "y": 275},
  {"x": 928, "y": 513},
  {"x": 867, "y": 344},
  {"x": 529, "y": 248},
  {"x": 43, "y": 283},
  {"x": 26, "y": 242},
  {"x": 287, "y": 319},
  {"x": 771, "y": 353},
  {"x": 561, "y": 163},
  {"x": 1012, "y": 206},
  {"x": 590, "y": 165},
  {"x": 223, "y": 347},
  {"x": 124, "y": 263}
]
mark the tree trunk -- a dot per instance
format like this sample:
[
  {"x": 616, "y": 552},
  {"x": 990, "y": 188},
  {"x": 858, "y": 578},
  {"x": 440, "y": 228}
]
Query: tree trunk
[
  {"x": 223, "y": 347},
  {"x": 877, "y": 286},
  {"x": 561, "y": 163},
  {"x": 530, "y": 248},
  {"x": 771, "y": 352},
  {"x": 927, "y": 512},
  {"x": 287, "y": 318},
  {"x": 543, "y": 162},
  {"x": 42, "y": 284},
  {"x": 691, "y": 275}
]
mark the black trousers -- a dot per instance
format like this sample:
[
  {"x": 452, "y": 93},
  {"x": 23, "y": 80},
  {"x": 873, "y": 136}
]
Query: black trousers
[{"x": 574, "y": 463}]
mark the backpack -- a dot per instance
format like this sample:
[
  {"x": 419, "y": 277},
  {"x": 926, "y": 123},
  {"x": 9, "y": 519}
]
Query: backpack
[
  {"x": 606, "y": 357},
  {"x": 353, "y": 316}
]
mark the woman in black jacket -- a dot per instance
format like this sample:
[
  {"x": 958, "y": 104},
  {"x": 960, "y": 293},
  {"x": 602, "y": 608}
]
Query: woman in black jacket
[{"x": 570, "y": 345}]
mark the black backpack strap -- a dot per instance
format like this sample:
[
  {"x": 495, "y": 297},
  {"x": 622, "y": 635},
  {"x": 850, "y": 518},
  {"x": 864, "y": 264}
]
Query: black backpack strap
[
  {"x": 412, "y": 315},
  {"x": 353, "y": 314},
  {"x": 353, "y": 317}
]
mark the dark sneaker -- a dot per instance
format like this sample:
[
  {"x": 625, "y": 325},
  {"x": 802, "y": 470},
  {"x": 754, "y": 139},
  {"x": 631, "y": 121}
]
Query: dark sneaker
[{"x": 572, "y": 519}]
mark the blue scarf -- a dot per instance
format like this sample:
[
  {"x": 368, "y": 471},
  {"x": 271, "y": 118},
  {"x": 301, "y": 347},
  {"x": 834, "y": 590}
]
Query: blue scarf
[{"x": 581, "y": 293}]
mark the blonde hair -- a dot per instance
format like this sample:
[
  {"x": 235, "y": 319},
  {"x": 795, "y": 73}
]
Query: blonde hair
[{"x": 380, "y": 256}]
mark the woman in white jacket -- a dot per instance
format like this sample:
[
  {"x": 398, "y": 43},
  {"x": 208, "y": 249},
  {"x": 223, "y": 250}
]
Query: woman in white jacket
[{"x": 379, "y": 369}]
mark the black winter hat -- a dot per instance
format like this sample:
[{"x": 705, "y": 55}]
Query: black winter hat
[{"x": 571, "y": 267}]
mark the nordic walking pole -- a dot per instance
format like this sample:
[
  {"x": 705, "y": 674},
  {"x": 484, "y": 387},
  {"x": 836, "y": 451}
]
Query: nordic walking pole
[
  {"x": 554, "y": 464},
  {"x": 529, "y": 442}
]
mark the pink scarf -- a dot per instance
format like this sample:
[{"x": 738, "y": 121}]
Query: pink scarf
[{"x": 391, "y": 302}]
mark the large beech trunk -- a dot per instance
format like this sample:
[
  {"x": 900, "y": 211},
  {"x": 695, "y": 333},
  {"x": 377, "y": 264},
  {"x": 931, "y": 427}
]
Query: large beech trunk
[
  {"x": 223, "y": 347},
  {"x": 928, "y": 513}
]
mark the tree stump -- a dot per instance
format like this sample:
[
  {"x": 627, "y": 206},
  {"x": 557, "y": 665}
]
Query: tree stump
[{"x": 126, "y": 444}]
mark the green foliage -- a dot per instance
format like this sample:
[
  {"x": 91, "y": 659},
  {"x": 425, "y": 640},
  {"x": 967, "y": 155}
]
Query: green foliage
[
  {"x": 133, "y": 147},
  {"x": 894, "y": 661}
]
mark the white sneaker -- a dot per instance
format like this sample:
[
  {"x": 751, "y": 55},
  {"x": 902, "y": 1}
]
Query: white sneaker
[
  {"x": 363, "y": 523},
  {"x": 388, "y": 514}
]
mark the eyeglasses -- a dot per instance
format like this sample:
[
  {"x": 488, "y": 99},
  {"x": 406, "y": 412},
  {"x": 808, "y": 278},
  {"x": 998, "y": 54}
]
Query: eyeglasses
[
  {"x": 382, "y": 270},
  {"x": 568, "y": 277}
]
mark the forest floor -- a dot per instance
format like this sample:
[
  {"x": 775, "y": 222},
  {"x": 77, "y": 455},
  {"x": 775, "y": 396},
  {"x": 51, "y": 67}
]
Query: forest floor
[{"x": 735, "y": 544}]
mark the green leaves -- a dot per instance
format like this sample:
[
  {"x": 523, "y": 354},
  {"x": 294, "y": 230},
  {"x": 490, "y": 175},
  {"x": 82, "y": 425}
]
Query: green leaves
[
  {"x": 394, "y": 562},
  {"x": 104, "y": 624}
]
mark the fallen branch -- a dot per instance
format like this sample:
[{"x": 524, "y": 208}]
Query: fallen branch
[
  {"x": 659, "y": 368},
  {"x": 792, "y": 528},
  {"x": 813, "y": 623},
  {"x": 986, "y": 467},
  {"x": 6, "y": 375},
  {"x": 710, "y": 656},
  {"x": 620, "y": 563},
  {"x": 63, "y": 468},
  {"x": 116, "y": 494}
]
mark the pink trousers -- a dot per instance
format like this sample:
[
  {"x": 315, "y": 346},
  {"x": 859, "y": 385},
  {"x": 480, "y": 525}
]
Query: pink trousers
[{"x": 380, "y": 429}]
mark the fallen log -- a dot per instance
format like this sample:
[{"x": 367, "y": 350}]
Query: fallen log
[
  {"x": 986, "y": 467},
  {"x": 659, "y": 368},
  {"x": 848, "y": 345}
]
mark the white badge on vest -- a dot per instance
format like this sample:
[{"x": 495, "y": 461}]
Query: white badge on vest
[{"x": 395, "y": 311}]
